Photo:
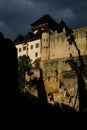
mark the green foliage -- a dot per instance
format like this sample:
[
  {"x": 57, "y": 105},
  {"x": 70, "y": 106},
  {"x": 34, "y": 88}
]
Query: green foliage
[{"x": 24, "y": 64}]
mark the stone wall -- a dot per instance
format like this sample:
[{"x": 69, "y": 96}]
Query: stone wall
[
  {"x": 60, "y": 81},
  {"x": 50, "y": 67},
  {"x": 69, "y": 89},
  {"x": 56, "y": 72},
  {"x": 59, "y": 47}
]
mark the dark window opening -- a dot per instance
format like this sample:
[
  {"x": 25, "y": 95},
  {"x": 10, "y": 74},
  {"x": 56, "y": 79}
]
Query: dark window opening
[
  {"x": 37, "y": 45},
  {"x": 36, "y": 54},
  {"x": 31, "y": 46},
  {"x": 19, "y": 49},
  {"x": 24, "y": 48}
]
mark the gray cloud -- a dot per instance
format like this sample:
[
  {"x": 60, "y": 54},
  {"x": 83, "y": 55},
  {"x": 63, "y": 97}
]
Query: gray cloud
[
  {"x": 7, "y": 31},
  {"x": 17, "y": 15}
]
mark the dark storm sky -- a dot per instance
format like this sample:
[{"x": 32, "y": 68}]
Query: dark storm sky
[{"x": 17, "y": 15}]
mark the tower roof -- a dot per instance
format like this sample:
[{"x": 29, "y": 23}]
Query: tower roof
[
  {"x": 62, "y": 25},
  {"x": 18, "y": 39},
  {"x": 46, "y": 21},
  {"x": 28, "y": 36}
]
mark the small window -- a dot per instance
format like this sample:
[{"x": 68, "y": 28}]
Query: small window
[
  {"x": 31, "y": 47},
  {"x": 36, "y": 54},
  {"x": 44, "y": 40},
  {"x": 37, "y": 45},
  {"x": 47, "y": 40},
  {"x": 19, "y": 49},
  {"x": 24, "y": 48}
]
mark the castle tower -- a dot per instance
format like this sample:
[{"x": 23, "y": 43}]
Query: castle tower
[
  {"x": 47, "y": 25},
  {"x": 45, "y": 54}
]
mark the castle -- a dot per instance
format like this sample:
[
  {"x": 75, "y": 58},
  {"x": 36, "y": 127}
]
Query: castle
[{"x": 48, "y": 42}]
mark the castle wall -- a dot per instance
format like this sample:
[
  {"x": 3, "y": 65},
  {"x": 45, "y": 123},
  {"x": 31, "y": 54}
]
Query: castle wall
[
  {"x": 34, "y": 49},
  {"x": 55, "y": 52},
  {"x": 21, "y": 49},
  {"x": 50, "y": 67},
  {"x": 55, "y": 73},
  {"x": 58, "y": 46}
]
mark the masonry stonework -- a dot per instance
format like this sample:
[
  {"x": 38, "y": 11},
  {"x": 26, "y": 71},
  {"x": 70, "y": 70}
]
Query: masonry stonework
[{"x": 60, "y": 48}]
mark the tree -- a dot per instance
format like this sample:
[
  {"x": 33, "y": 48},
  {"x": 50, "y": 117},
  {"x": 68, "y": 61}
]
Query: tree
[{"x": 24, "y": 64}]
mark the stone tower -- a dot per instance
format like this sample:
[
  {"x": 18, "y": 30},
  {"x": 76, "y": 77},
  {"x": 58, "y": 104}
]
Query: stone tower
[
  {"x": 45, "y": 46},
  {"x": 47, "y": 25}
]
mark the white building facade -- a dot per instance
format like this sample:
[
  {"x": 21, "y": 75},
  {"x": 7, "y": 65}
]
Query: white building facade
[{"x": 34, "y": 49}]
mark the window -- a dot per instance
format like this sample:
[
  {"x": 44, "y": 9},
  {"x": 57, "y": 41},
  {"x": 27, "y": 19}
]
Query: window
[
  {"x": 19, "y": 49},
  {"x": 36, "y": 54},
  {"x": 37, "y": 45},
  {"x": 24, "y": 48},
  {"x": 47, "y": 40},
  {"x": 44, "y": 40},
  {"x": 31, "y": 47}
]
